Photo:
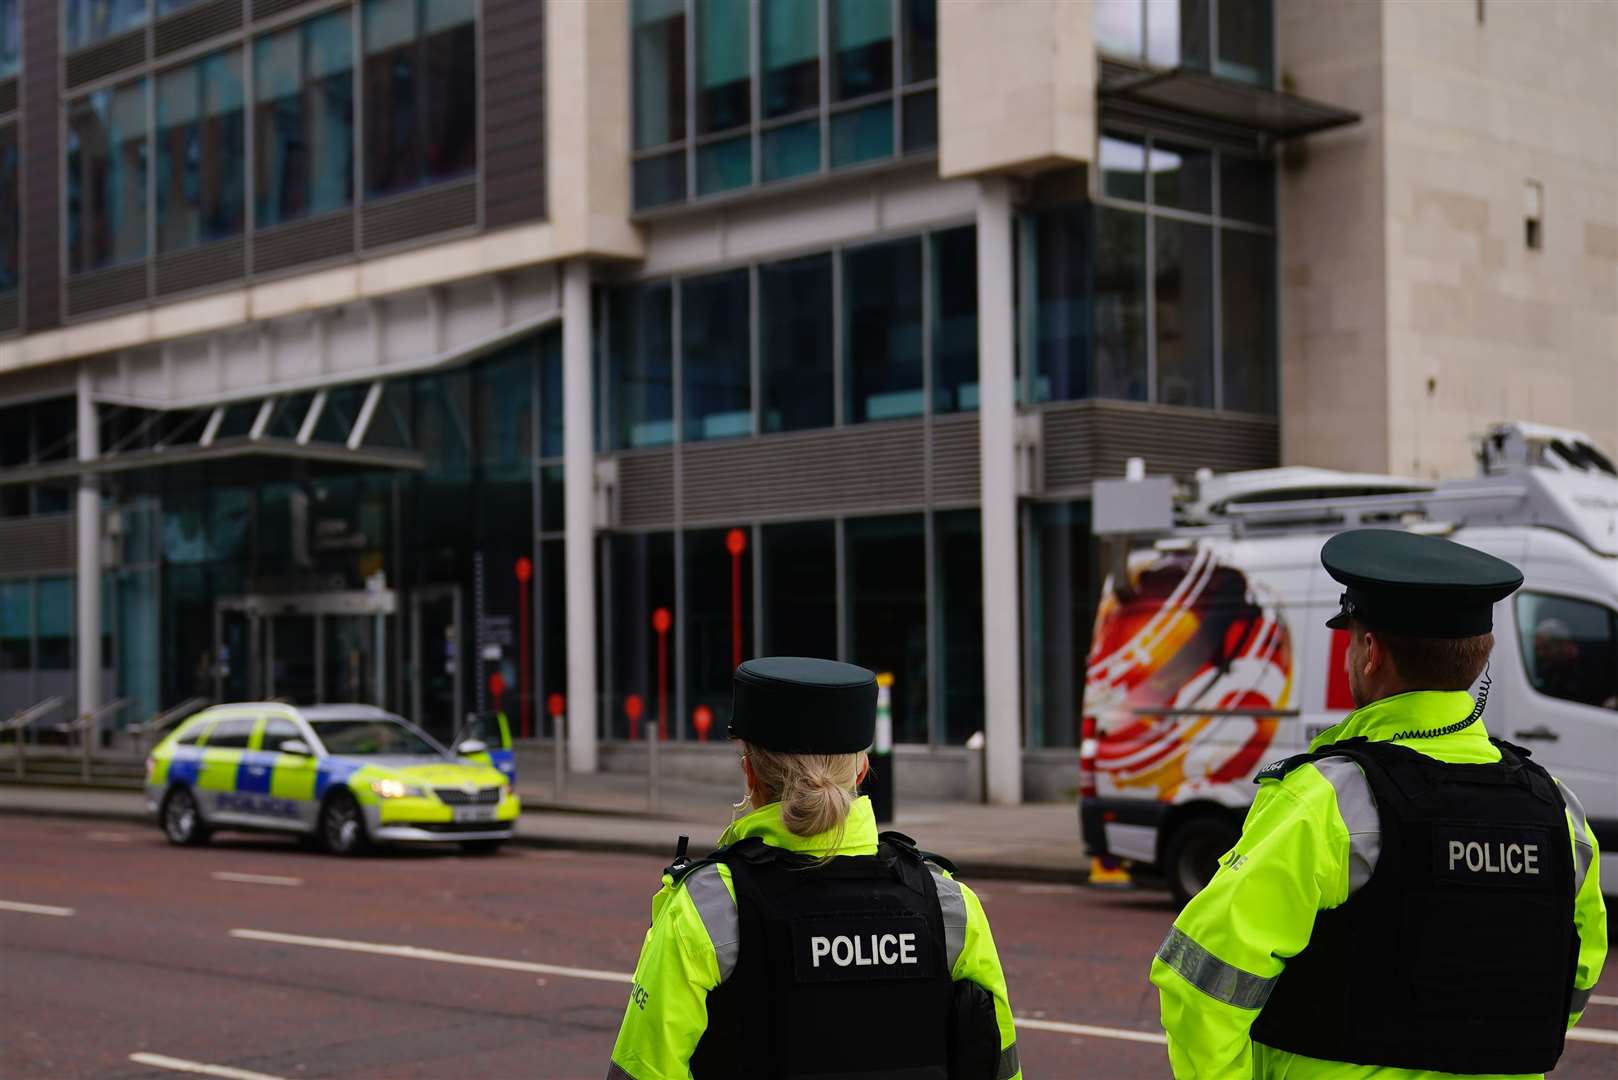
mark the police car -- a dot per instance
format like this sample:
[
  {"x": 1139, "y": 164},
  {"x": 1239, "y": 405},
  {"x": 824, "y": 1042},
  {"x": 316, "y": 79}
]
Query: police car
[{"x": 347, "y": 776}]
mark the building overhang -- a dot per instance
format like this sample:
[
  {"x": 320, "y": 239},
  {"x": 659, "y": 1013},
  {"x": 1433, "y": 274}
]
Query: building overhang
[{"x": 1236, "y": 109}]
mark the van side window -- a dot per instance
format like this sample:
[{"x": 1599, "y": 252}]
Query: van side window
[
  {"x": 231, "y": 734},
  {"x": 1569, "y": 648}
]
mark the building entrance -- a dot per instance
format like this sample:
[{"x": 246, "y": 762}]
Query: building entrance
[{"x": 305, "y": 648}]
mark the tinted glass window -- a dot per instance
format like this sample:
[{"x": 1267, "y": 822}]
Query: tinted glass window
[
  {"x": 718, "y": 617},
  {"x": 886, "y": 562},
  {"x": 716, "y": 340},
  {"x": 642, "y": 568},
  {"x": 231, "y": 734},
  {"x": 278, "y": 730},
  {"x": 303, "y": 124},
  {"x": 1118, "y": 306},
  {"x": 800, "y": 589},
  {"x": 10, "y": 266},
  {"x": 795, "y": 342},
  {"x": 55, "y": 614},
  {"x": 194, "y": 736},
  {"x": 106, "y": 178},
  {"x": 1184, "y": 312},
  {"x": 16, "y": 625},
  {"x": 882, "y": 332},
  {"x": 201, "y": 152},
  {"x": 366, "y": 737},
  {"x": 1569, "y": 648},
  {"x": 862, "y": 48},
  {"x": 89, "y": 21},
  {"x": 659, "y": 74},
  {"x": 958, "y": 621},
  {"x": 724, "y": 85},
  {"x": 955, "y": 320},
  {"x": 640, "y": 368},
  {"x": 1182, "y": 177},
  {"x": 790, "y": 44},
  {"x": 420, "y": 93},
  {"x": 1247, "y": 303}
]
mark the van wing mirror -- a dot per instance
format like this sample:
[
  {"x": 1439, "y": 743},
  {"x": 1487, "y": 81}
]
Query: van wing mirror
[
  {"x": 472, "y": 746},
  {"x": 296, "y": 746}
]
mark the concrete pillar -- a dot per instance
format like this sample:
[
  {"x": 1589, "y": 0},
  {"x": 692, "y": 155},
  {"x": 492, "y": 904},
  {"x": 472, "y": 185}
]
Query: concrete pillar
[
  {"x": 578, "y": 448},
  {"x": 997, "y": 454},
  {"x": 88, "y": 588}
]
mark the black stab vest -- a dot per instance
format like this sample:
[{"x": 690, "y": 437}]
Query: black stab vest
[
  {"x": 842, "y": 970},
  {"x": 1458, "y": 954}
]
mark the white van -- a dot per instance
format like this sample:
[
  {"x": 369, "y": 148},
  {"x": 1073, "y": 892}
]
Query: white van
[{"x": 1211, "y": 657}]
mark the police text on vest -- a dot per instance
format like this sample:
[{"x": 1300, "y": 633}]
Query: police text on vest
[
  {"x": 1497, "y": 857},
  {"x": 863, "y": 950}
]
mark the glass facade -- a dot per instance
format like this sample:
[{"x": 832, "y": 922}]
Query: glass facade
[
  {"x": 885, "y": 611},
  {"x": 86, "y": 22},
  {"x": 1061, "y": 579},
  {"x": 10, "y": 38},
  {"x": 420, "y": 92},
  {"x": 201, "y": 152},
  {"x": 303, "y": 126},
  {"x": 1233, "y": 39},
  {"x": 729, "y": 94},
  {"x": 107, "y": 154},
  {"x": 1161, "y": 290},
  {"x": 886, "y": 346},
  {"x": 10, "y": 201}
]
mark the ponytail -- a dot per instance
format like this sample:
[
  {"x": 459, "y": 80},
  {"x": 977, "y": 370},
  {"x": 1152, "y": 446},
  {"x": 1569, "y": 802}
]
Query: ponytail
[{"x": 816, "y": 791}]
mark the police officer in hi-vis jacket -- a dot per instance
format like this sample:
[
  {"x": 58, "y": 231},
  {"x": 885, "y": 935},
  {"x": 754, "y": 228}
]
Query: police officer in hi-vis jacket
[
  {"x": 808, "y": 945},
  {"x": 1411, "y": 897}
]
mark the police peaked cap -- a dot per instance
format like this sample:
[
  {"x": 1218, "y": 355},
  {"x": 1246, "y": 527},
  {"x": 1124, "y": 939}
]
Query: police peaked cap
[
  {"x": 1423, "y": 586},
  {"x": 799, "y": 705}
]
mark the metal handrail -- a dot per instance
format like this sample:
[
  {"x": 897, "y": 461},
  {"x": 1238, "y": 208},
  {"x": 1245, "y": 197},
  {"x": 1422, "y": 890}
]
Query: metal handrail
[
  {"x": 37, "y": 711},
  {"x": 168, "y": 718}
]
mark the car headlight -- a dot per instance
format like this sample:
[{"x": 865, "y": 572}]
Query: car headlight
[{"x": 395, "y": 789}]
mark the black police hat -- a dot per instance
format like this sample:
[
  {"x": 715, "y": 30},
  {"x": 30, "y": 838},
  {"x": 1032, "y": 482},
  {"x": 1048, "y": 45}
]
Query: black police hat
[
  {"x": 799, "y": 705},
  {"x": 1424, "y": 586}
]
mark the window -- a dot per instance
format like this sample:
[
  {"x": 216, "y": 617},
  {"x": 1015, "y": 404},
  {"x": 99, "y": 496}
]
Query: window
[
  {"x": 303, "y": 125},
  {"x": 955, "y": 320},
  {"x": 16, "y": 625},
  {"x": 277, "y": 730},
  {"x": 800, "y": 589},
  {"x": 10, "y": 224},
  {"x": 1533, "y": 214},
  {"x": 55, "y": 623},
  {"x": 795, "y": 344},
  {"x": 1569, "y": 648},
  {"x": 718, "y": 617},
  {"x": 1174, "y": 33},
  {"x": 89, "y": 21},
  {"x": 1168, "y": 218},
  {"x": 882, "y": 351},
  {"x": 382, "y": 738},
  {"x": 887, "y": 611},
  {"x": 716, "y": 341},
  {"x": 958, "y": 617},
  {"x": 640, "y": 366},
  {"x": 106, "y": 178},
  {"x": 1061, "y": 584},
  {"x": 420, "y": 93},
  {"x": 201, "y": 152},
  {"x": 195, "y": 734},
  {"x": 642, "y": 668},
  {"x": 10, "y": 38},
  {"x": 774, "y": 51}
]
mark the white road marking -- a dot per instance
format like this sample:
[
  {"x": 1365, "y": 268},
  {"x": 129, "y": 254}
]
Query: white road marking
[
  {"x": 1595, "y": 1035},
  {"x": 412, "y": 952},
  {"x": 173, "y": 1064},
  {"x": 1603, "y": 999},
  {"x": 255, "y": 879},
  {"x": 35, "y": 909},
  {"x": 1125, "y": 1034}
]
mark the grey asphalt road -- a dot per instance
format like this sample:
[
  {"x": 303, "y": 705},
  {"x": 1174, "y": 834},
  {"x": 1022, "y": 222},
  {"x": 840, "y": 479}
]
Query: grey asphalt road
[{"x": 123, "y": 957}]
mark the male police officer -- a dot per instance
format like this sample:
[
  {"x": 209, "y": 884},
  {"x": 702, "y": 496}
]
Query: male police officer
[
  {"x": 1411, "y": 896},
  {"x": 807, "y": 946}
]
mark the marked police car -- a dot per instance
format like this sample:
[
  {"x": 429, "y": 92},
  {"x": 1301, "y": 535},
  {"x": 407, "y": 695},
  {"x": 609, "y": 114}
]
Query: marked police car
[{"x": 346, "y": 775}]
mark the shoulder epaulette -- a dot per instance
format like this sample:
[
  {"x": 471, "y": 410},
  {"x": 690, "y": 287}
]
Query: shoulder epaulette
[{"x": 1278, "y": 770}]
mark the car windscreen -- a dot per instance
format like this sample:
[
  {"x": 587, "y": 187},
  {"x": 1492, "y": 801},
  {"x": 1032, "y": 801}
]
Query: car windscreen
[{"x": 370, "y": 736}]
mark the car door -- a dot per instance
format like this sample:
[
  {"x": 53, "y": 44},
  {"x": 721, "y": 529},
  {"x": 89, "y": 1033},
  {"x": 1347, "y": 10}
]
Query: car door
[
  {"x": 217, "y": 774},
  {"x": 292, "y": 776}
]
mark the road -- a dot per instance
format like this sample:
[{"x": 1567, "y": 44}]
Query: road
[{"x": 257, "y": 955}]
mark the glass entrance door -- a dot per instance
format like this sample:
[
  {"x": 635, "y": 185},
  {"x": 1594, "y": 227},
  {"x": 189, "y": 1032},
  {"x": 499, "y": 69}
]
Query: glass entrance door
[
  {"x": 292, "y": 651},
  {"x": 237, "y": 655},
  {"x": 308, "y": 649},
  {"x": 354, "y": 662}
]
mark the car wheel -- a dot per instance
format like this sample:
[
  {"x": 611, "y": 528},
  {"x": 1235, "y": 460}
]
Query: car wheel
[
  {"x": 1193, "y": 855},
  {"x": 342, "y": 826},
  {"x": 481, "y": 847},
  {"x": 182, "y": 819}
]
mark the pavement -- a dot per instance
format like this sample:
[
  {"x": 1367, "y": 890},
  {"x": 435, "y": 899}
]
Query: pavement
[
  {"x": 124, "y": 957},
  {"x": 610, "y": 812}
]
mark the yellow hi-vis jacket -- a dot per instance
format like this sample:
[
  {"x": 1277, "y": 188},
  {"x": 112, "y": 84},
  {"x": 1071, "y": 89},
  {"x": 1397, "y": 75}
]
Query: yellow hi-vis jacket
[
  {"x": 1303, "y": 833},
  {"x": 694, "y": 943}
]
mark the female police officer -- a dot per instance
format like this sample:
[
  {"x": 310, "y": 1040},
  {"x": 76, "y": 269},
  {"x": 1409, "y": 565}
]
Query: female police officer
[{"x": 807, "y": 945}]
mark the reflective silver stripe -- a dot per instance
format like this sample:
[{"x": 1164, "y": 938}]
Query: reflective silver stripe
[
  {"x": 1009, "y": 1066},
  {"x": 616, "y": 1071},
  {"x": 718, "y": 910},
  {"x": 1358, "y": 809},
  {"x": 1581, "y": 998},
  {"x": 1583, "y": 851},
  {"x": 1205, "y": 971},
  {"x": 953, "y": 906}
]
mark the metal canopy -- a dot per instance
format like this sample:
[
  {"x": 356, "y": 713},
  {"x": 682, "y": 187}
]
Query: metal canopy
[
  {"x": 1260, "y": 112},
  {"x": 330, "y": 426}
]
